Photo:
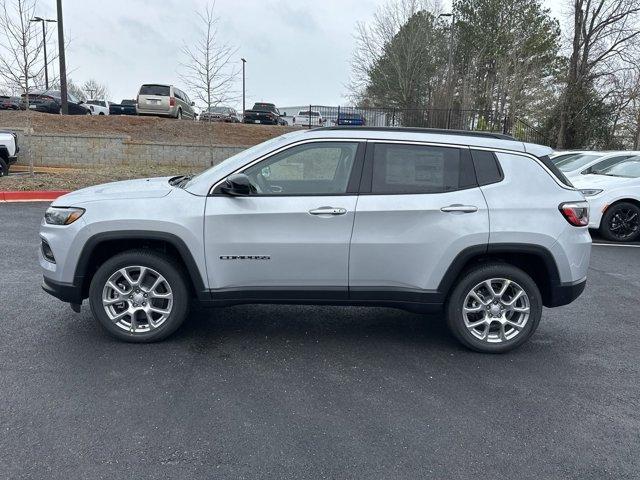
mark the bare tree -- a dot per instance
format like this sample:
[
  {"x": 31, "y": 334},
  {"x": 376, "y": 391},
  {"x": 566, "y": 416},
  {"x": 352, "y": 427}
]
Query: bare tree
[
  {"x": 605, "y": 35},
  {"x": 208, "y": 70},
  {"x": 20, "y": 46},
  {"x": 92, "y": 89}
]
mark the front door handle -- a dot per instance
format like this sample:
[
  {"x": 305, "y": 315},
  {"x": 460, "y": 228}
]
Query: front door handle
[
  {"x": 457, "y": 208},
  {"x": 328, "y": 211}
]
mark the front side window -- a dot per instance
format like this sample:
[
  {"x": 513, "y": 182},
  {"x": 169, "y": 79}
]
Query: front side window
[
  {"x": 311, "y": 169},
  {"x": 415, "y": 169},
  {"x": 604, "y": 164}
]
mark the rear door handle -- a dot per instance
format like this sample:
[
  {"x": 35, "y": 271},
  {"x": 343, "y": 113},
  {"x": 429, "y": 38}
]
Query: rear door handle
[
  {"x": 459, "y": 209},
  {"x": 328, "y": 211}
]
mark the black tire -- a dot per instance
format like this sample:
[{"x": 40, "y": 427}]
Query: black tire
[
  {"x": 472, "y": 278},
  {"x": 621, "y": 222},
  {"x": 4, "y": 168},
  {"x": 179, "y": 114},
  {"x": 162, "y": 264}
]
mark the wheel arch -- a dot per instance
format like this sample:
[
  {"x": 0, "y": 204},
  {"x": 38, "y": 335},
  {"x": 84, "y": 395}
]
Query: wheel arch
[
  {"x": 536, "y": 260},
  {"x": 103, "y": 246}
]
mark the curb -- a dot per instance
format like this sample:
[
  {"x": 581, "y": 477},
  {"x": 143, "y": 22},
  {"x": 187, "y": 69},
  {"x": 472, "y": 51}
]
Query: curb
[{"x": 31, "y": 196}]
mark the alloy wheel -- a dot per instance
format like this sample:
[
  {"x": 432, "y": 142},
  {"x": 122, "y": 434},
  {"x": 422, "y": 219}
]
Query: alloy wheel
[
  {"x": 496, "y": 310},
  {"x": 137, "y": 299},
  {"x": 624, "y": 223}
]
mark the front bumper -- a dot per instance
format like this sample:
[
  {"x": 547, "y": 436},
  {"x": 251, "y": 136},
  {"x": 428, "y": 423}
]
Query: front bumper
[{"x": 66, "y": 292}]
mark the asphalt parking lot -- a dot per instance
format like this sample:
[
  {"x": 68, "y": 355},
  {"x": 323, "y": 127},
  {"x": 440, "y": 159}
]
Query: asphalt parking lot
[{"x": 290, "y": 392}]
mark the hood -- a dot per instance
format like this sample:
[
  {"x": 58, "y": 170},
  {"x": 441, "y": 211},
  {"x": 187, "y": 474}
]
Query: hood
[
  {"x": 128, "y": 189},
  {"x": 601, "y": 181}
]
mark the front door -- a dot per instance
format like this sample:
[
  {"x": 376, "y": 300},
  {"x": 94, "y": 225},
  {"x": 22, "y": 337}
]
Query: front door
[{"x": 291, "y": 238}]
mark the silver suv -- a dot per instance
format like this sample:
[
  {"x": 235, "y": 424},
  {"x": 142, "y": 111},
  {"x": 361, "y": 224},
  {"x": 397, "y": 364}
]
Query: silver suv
[
  {"x": 164, "y": 101},
  {"x": 479, "y": 225}
]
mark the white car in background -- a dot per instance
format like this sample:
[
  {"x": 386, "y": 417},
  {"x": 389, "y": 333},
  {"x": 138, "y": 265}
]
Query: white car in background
[
  {"x": 592, "y": 162},
  {"x": 97, "y": 107},
  {"x": 566, "y": 154},
  {"x": 613, "y": 194},
  {"x": 308, "y": 118}
]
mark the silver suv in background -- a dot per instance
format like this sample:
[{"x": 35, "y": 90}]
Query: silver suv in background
[
  {"x": 478, "y": 226},
  {"x": 164, "y": 101}
]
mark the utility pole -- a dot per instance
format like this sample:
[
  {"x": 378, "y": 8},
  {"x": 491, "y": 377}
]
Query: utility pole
[
  {"x": 243, "y": 89},
  {"x": 44, "y": 45},
  {"x": 63, "y": 64}
]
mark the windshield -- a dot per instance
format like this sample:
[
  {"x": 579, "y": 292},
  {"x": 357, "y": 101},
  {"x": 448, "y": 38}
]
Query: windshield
[
  {"x": 100, "y": 103},
  {"x": 626, "y": 169},
  {"x": 217, "y": 110},
  {"x": 308, "y": 114},
  {"x": 563, "y": 157},
  {"x": 238, "y": 158},
  {"x": 576, "y": 162}
]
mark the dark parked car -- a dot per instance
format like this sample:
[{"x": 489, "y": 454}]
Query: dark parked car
[
  {"x": 264, "y": 113},
  {"x": 126, "y": 107},
  {"x": 351, "y": 119},
  {"x": 9, "y": 103},
  {"x": 48, "y": 101},
  {"x": 220, "y": 114}
]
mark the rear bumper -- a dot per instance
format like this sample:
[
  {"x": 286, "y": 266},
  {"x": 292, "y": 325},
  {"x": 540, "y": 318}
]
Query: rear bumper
[
  {"x": 66, "y": 292},
  {"x": 565, "y": 293}
]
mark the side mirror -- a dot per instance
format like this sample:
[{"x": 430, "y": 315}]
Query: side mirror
[{"x": 238, "y": 185}]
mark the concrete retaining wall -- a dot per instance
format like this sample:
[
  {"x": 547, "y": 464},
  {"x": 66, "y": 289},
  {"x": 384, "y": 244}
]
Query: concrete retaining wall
[{"x": 62, "y": 149}]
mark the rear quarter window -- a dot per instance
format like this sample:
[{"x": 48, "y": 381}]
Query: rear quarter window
[{"x": 487, "y": 167}]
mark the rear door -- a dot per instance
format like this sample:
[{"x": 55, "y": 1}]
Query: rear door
[
  {"x": 154, "y": 98},
  {"x": 419, "y": 207},
  {"x": 291, "y": 237}
]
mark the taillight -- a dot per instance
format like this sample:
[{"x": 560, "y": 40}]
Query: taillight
[
  {"x": 576, "y": 213},
  {"x": 172, "y": 101}
]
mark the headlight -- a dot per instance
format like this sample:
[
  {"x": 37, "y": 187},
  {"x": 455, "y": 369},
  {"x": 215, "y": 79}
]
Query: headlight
[
  {"x": 62, "y": 215},
  {"x": 591, "y": 192}
]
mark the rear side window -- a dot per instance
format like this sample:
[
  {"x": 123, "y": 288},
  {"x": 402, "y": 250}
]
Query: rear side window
[
  {"x": 415, "y": 169},
  {"x": 159, "y": 90},
  {"x": 488, "y": 169}
]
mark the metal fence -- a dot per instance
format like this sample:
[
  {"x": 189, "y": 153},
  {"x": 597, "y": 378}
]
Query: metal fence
[{"x": 449, "y": 119}]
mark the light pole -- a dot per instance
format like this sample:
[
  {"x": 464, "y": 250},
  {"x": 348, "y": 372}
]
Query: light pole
[
  {"x": 243, "y": 88},
  {"x": 44, "y": 45},
  {"x": 63, "y": 63}
]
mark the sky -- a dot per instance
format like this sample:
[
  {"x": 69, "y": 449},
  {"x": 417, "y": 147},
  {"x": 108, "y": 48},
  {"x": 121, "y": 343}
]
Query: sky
[{"x": 298, "y": 51}]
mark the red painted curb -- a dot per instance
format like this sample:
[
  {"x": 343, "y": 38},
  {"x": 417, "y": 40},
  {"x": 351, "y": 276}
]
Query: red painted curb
[{"x": 31, "y": 196}]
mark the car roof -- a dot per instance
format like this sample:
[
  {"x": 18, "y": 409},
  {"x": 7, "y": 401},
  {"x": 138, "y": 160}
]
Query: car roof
[{"x": 452, "y": 137}]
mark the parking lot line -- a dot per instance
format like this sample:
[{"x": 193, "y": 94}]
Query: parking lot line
[{"x": 615, "y": 245}]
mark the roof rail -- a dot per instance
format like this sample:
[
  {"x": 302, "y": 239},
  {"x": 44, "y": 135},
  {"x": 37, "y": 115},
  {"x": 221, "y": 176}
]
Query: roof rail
[{"x": 441, "y": 131}]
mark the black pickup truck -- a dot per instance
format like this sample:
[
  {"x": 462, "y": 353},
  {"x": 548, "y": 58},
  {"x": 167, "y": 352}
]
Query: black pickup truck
[
  {"x": 126, "y": 107},
  {"x": 264, "y": 113}
]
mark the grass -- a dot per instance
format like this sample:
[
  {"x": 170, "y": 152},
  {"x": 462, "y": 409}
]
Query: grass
[{"x": 63, "y": 178}]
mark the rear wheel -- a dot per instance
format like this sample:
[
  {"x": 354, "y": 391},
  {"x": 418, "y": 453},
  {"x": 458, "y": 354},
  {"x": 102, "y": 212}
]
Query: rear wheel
[
  {"x": 495, "y": 308},
  {"x": 621, "y": 222},
  {"x": 139, "y": 296},
  {"x": 4, "y": 168}
]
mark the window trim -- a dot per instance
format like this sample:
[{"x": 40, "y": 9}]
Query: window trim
[
  {"x": 366, "y": 184},
  {"x": 352, "y": 184}
]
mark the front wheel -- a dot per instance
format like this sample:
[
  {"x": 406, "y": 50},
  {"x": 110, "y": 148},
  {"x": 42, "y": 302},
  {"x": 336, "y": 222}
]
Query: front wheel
[
  {"x": 621, "y": 222},
  {"x": 4, "y": 168},
  {"x": 495, "y": 308},
  {"x": 139, "y": 296},
  {"x": 179, "y": 115}
]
